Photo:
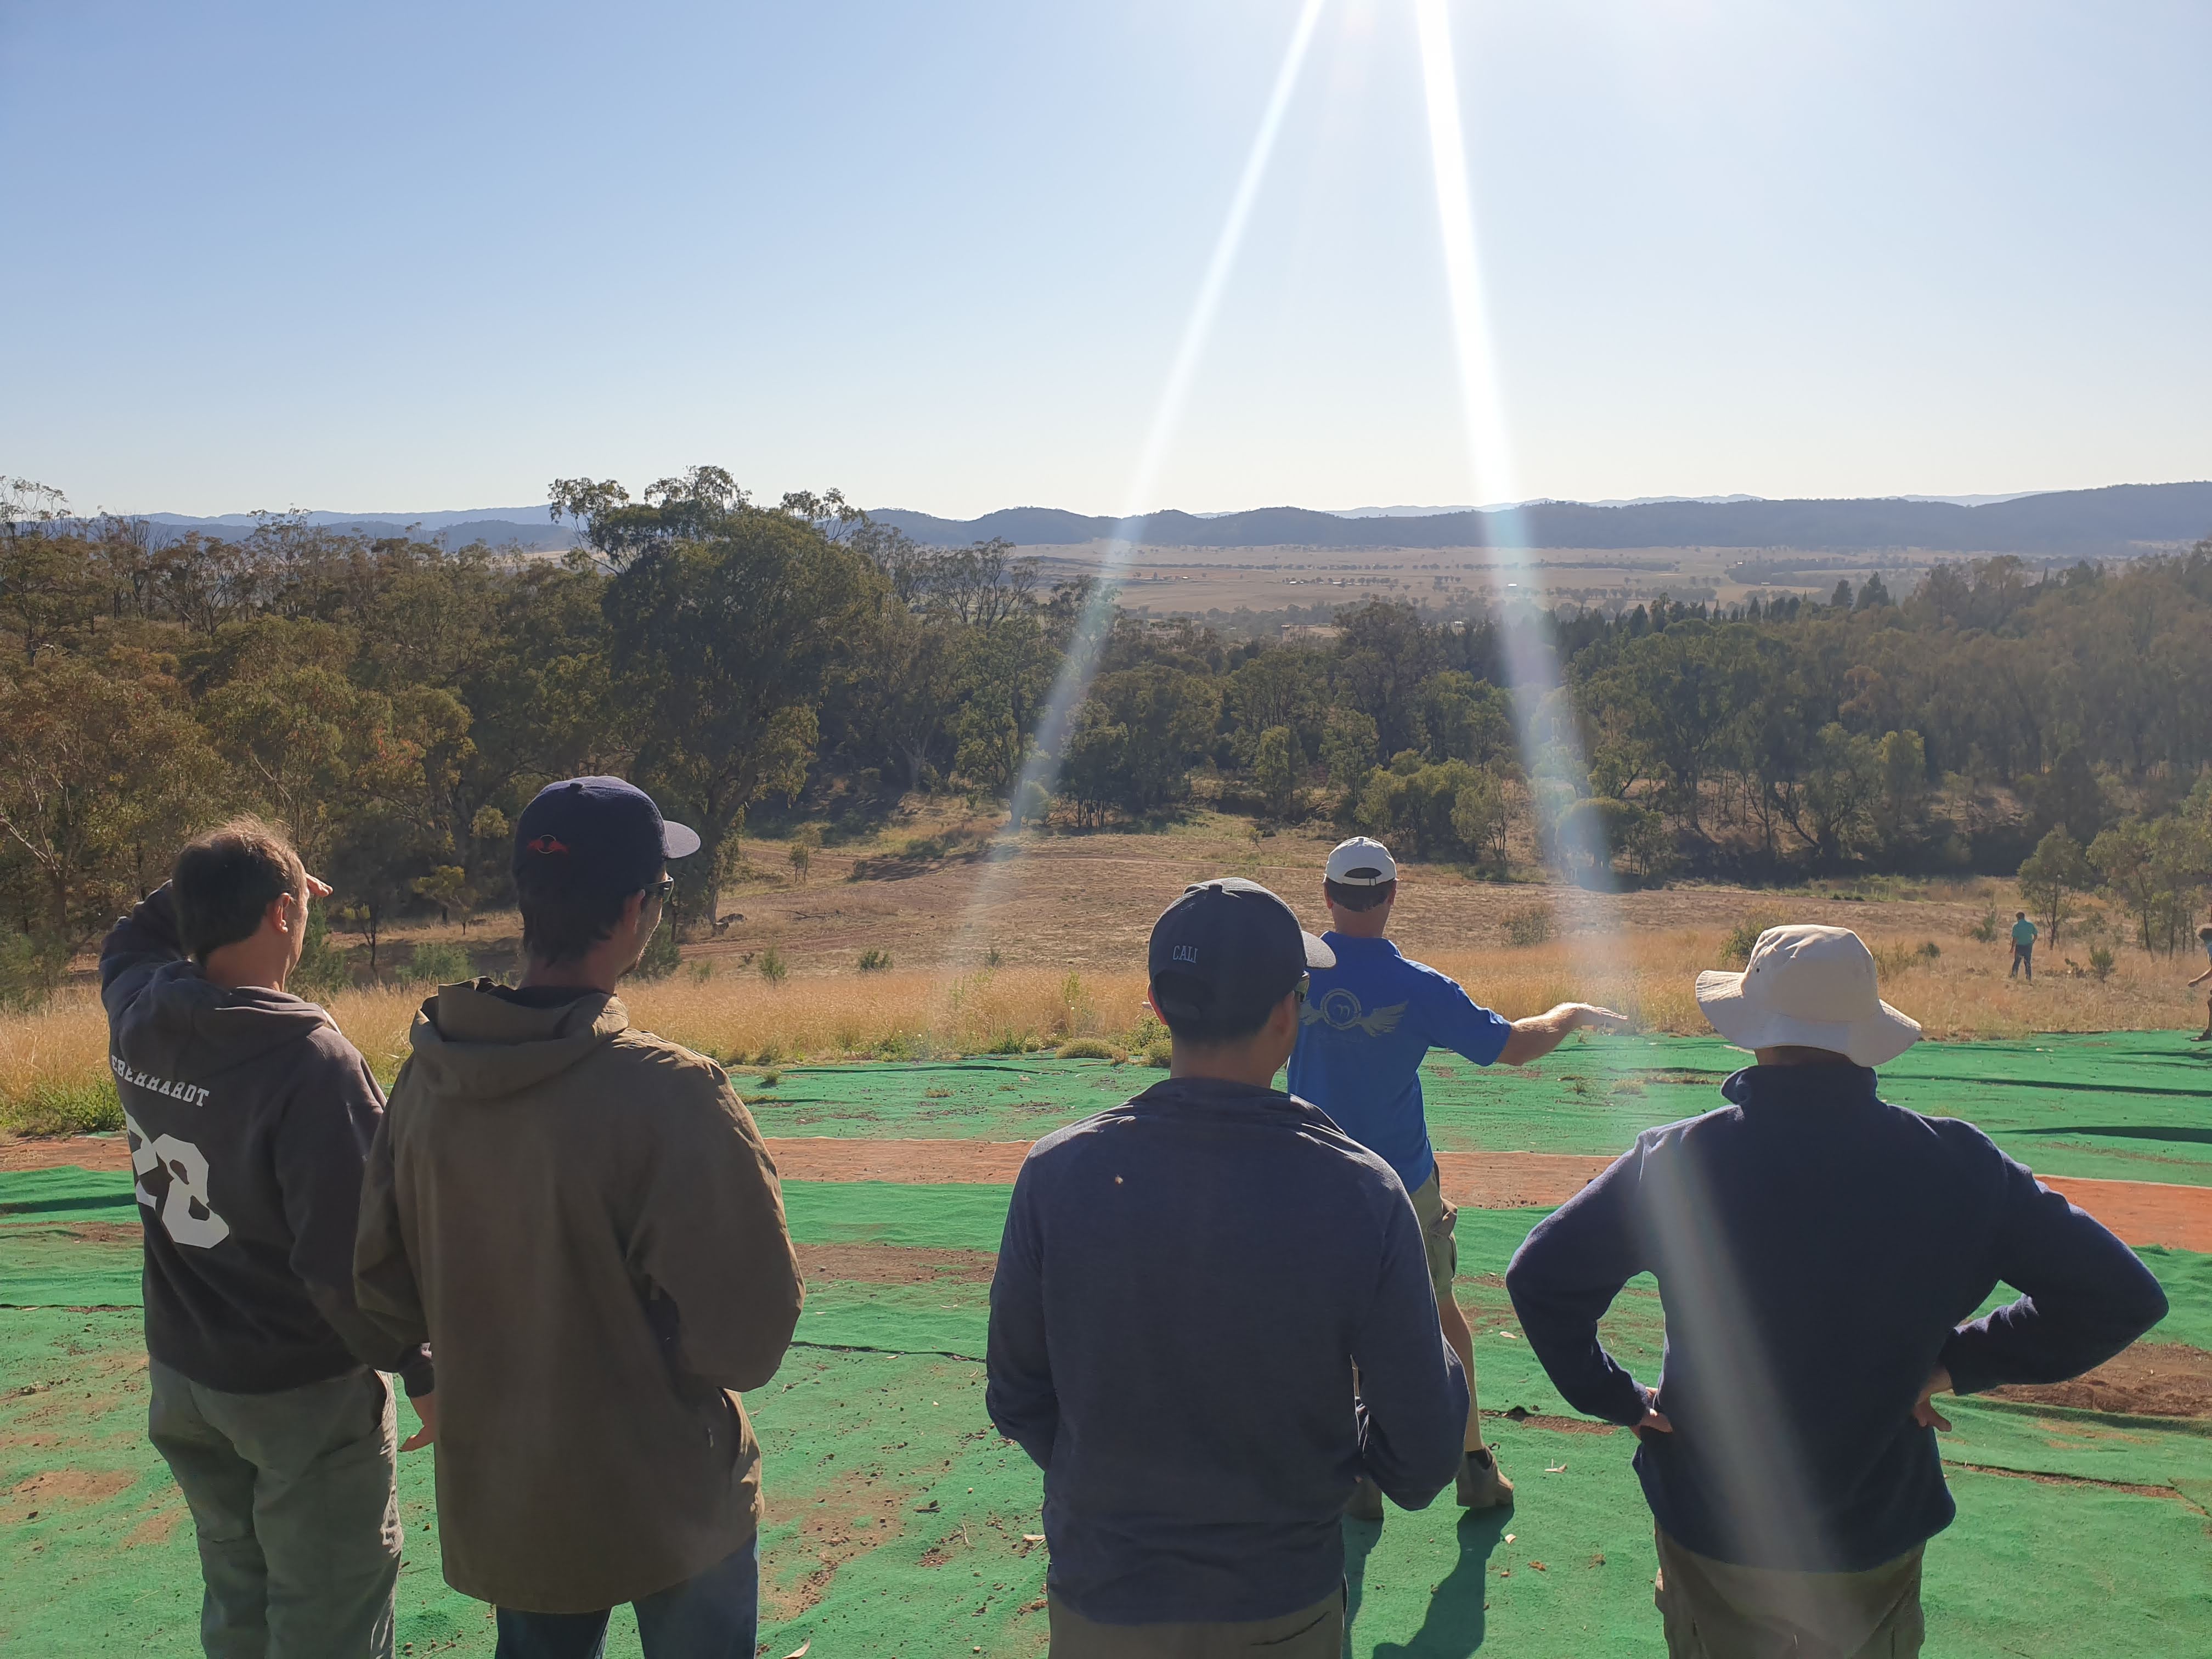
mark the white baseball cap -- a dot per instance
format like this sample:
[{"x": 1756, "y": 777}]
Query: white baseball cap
[
  {"x": 1808, "y": 987},
  {"x": 1360, "y": 862}
]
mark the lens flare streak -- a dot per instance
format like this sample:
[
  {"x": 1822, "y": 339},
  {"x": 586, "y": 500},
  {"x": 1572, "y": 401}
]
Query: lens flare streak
[{"x": 1549, "y": 740}]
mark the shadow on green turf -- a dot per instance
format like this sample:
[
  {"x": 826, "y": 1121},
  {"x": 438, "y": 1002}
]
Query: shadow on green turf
[
  {"x": 1452, "y": 1627},
  {"x": 2123, "y": 1132}
]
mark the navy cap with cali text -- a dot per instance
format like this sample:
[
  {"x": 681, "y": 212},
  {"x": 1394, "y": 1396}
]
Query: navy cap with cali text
[
  {"x": 1229, "y": 947},
  {"x": 595, "y": 835}
]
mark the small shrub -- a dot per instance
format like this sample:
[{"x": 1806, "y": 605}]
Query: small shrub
[
  {"x": 1929, "y": 951},
  {"x": 64, "y": 1108},
  {"x": 436, "y": 962},
  {"x": 1985, "y": 932},
  {"x": 701, "y": 972},
  {"x": 1088, "y": 1049},
  {"x": 1012, "y": 1042},
  {"x": 1737, "y": 948},
  {"x": 991, "y": 958},
  {"x": 2100, "y": 961},
  {"x": 769, "y": 1053},
  {"x": 1160, "y": 1052},
  {"x": 322, "y": 967},
  {"x": 770, "y": 1079},
  {"x": 772, "y": 966},
  {"x": 873, "y": 961},
  {"x": 1891, "y": 960},
  {"x": 1530, "y": 925},
  {"x": 31, "y": 966}
]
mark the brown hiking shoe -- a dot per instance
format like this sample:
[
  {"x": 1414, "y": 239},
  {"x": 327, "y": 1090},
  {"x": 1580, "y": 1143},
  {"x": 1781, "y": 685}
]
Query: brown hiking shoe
[
  {"x": 1481, "y": 1484},
  {"x": 1367, "y": 1502}
]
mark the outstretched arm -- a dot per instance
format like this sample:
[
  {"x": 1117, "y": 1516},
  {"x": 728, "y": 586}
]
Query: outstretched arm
[{"x": 1538, "y": 1035}]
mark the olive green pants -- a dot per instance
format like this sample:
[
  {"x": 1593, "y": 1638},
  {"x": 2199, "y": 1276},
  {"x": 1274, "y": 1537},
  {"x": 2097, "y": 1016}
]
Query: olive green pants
[
  {"x": 293, "y": 1501},
  {"x": 1715, "y": 1610}
]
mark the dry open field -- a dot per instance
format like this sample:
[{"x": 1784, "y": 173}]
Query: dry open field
[
  {"x": 1172, "y": 581},
  {"x": 993, "y": 945}
]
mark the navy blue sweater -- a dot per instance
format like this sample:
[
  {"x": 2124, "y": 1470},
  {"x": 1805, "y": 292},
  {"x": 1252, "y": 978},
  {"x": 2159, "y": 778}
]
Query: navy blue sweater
[
  {"x": 1186, "y": 1283},
  {"x": 1816, "y": 1250}
]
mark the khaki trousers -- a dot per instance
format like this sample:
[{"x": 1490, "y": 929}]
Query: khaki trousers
[
  {"x": 1715, "y": 1610},
  {"x": 292, "y": 1499},
  {"x": 1314, "y": 1632}
]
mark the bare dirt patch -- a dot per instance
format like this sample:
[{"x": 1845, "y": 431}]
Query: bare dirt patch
[
  {"x": 59, "y": 1151},
  {"x": 1560, "y": 1424},
  {"x": 921, "y": 1163},
  {"x": 156, "y": 1529},
  {"x": 77, "y": 1233},
  {"x": 63, "y": 1489},
  {"x": 1516, "y": 1181},
  {"x": 2144, "y": 1212},
  {"x": 859, "y": 1513},
  {"x": 896, "y": 1264},
  {"x": 2151, "y": 1379}
]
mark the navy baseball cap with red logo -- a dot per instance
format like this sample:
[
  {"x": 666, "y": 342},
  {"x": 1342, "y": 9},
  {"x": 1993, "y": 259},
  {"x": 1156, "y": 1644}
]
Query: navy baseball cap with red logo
[
  {"x": 595, "y": 835},
  {"x": 1229, "y": 949}
]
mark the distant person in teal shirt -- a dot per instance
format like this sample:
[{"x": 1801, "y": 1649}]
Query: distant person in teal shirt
[
  {"x": 2023, "y": 947},
  {"x": 1367, "y": 1023},
  {"x": 2204, "y": 938}
]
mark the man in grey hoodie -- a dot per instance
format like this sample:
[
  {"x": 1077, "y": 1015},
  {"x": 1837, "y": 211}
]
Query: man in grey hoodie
[{"x": 249, "y": 1117}]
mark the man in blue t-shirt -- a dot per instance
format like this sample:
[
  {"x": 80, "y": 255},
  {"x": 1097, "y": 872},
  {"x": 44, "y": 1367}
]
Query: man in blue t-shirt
[{"x": 1366, "y": 1025}]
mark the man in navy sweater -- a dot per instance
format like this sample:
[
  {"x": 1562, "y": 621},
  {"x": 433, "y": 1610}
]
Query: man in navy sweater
[
  {"x": 1186, "y": 1283},
  {"x": 1818, "y": 1253}
]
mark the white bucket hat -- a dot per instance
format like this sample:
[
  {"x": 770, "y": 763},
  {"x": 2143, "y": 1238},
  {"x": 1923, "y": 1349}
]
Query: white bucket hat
[{"x": 1811, "y": 987}]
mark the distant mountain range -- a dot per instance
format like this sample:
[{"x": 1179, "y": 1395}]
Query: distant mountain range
[
  {"x": 2066, "y": 524},
  {"x": 2057, "y": 523},
  {"x": 531, "y": 528}
]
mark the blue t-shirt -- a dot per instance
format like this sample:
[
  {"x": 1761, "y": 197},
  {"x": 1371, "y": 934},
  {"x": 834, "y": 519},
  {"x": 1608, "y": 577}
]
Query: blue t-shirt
[{"x": 1362, "y": 1034}]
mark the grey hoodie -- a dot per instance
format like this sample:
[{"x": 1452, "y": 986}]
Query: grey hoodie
[{"x": 250, "y": 1118}]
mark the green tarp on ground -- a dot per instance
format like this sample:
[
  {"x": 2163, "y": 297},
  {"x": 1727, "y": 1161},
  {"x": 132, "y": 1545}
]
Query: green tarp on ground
[
  {"x": 898, "y": 1525},
  {"x": 41, "y": 1264},
  {"x": 2125, "y": 1106},
  {"x": 897, "y": 1520}
]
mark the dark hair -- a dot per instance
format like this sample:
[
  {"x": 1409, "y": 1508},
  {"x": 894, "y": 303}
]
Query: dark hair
[
  {"x": 1188, "y": 1004},
  {"x": 224, "y": 883},
  {"x": 561, "y": 923},
  {"x": 1356, "y": 899}
]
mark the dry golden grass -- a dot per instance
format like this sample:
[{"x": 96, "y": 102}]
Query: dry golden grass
[{"x": 736, "y": 1015}]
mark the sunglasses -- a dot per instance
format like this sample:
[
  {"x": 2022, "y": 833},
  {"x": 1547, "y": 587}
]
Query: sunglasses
[
  {"x": 1304, "y": 984},
  {"x": 661, "y": 889}
]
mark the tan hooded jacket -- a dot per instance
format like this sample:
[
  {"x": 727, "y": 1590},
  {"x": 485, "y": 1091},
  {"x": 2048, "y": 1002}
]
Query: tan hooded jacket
[{"x": 582, "y": 1221}]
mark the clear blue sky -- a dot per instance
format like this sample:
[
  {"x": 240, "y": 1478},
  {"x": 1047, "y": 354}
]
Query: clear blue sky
[{"x": 429, "y": 255}]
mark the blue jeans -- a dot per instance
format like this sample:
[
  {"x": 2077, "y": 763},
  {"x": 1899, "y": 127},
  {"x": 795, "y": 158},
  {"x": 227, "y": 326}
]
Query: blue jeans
[{"x": 714, "y": 1615}]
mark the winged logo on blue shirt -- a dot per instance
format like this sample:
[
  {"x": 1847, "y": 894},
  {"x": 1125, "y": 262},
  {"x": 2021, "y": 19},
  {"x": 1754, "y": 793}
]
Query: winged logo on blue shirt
[{"x": 1340, "y": 1010}]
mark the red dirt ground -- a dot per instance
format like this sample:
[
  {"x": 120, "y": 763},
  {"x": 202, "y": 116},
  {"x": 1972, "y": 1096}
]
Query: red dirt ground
[{"x": 2140, "y": 1212}]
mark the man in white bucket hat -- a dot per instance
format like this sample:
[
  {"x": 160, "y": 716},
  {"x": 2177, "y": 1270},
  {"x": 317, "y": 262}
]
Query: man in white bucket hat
[{"x": 1818, "y": 1253}]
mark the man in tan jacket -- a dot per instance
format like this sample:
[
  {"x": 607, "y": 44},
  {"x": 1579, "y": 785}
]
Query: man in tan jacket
[{"x": 581, "y": 1220}]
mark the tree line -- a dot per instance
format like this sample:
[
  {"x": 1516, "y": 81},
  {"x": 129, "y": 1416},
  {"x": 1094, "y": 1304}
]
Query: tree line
[{"x": 393, "y": 703}]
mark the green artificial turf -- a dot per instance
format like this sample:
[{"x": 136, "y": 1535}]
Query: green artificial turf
[
  {"x": 2127, "y": 1106},
  {"x": 898, "y": 1524},
  {"x": 896, "y": 1519}
]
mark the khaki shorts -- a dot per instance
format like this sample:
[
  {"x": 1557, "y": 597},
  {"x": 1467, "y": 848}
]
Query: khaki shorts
[
  {"x": 1439, "y": 1233},
  {"x": 1713, "y": 1610}
]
